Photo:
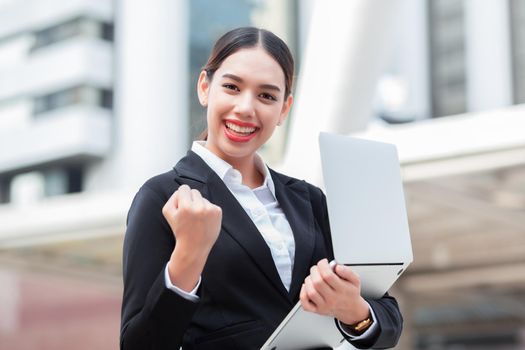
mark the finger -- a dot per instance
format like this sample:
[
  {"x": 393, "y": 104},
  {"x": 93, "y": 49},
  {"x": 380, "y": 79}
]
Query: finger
[
  {"x": 210, "y": 205},
  {"x": 305, "y": 302},
  {"x": 172, "y": 202},
  {"x": 197, "y": 200},
  {"x": 312, "y": 294},
  {"x": 320, "y": 285},
  {"x": 328, "y": 275},
  {"x": 184, "y": 188},
  {"x": 195, "y": 195},
  {"x": 184, "y": 196},
  {"x": 346, "y": 273},
  {"x": 207, "y": 203}
]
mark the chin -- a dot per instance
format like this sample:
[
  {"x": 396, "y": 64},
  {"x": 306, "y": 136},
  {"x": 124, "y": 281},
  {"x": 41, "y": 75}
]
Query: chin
[{"x": 238, "y": 150}]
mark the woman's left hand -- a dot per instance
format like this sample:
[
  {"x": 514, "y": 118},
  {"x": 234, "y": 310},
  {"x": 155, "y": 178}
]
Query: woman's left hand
[{"x": 336, "y": 294}]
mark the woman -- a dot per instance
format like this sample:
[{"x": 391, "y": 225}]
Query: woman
[{"x": 218, "y": 250}]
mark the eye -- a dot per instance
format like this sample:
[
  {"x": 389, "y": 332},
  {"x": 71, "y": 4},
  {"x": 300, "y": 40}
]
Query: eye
[
  {"x": 268, "y": 96},
  {"x": 230, "y": 87}
]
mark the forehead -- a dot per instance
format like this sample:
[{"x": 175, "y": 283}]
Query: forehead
[{"x": 253, "y": 64}]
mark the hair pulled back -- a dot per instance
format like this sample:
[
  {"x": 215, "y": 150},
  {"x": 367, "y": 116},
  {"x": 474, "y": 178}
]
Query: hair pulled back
[{"x": 248, "y": 37}]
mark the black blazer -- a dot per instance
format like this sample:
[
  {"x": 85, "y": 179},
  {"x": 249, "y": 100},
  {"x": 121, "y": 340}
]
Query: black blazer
[{"x": 242, "y": 298}]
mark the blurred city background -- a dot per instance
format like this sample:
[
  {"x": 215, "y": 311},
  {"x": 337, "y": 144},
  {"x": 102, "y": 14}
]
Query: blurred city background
[{"x": 96, "y": 96}]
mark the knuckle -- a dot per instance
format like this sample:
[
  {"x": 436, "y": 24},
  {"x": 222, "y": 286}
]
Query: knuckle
[
  {"x": 318, "y": 283},
  {"x": 216, "y": 210},
  {"x": 205, "y": 211},
  {"x": 329, "y": 277},
  {"x": 311, "y": 293},
  {"x": 332, "y": 279},
  {"x": 309, "y": 288},
  {"x": 304, "y": 302},
  {"x": 165, "y": 209},
  {"x": 325, "y": 274},
  {"x": 354, "y": 276},
  {"x": 183, "y": 210},
  {"x": 307, "y": 306}
]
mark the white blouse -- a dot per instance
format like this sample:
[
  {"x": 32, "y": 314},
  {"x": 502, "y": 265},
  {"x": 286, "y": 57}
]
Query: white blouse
[{"x": 264, "y": 210}]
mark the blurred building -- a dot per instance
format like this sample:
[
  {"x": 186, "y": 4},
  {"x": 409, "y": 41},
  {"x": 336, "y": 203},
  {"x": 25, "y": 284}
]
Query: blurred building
[
  {"x": 56, "y": 95},
  {"x": 96, "y": 96}
]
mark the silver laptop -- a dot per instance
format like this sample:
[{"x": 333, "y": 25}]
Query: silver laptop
[{"x": 369, "y": 228}]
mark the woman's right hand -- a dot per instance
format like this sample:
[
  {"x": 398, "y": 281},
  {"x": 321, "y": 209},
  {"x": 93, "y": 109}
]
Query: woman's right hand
[{"x": 196, "y": 224}]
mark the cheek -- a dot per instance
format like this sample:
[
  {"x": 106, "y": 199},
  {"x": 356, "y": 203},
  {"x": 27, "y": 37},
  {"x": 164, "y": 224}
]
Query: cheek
[
  {"x": 214, "y": 111},
  {"x": 218, "y": 104},
  {"x": 212, "y": 122},
  {"x": 272, "y": 116}
]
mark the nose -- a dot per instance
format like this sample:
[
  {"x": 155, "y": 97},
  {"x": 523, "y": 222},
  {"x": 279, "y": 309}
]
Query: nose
[{"x": 244, "y": 105}]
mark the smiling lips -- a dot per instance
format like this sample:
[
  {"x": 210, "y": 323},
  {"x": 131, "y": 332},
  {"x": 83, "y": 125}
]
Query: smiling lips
[{"x": 239, "y": 131}]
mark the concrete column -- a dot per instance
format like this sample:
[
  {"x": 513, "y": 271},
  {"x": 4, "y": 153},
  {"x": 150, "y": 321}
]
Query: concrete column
[
  {"x": 488, "y": 54},
  {"x": 347, "y": 48},
  {"x": 408, "y": 67},
  {"x": 10, "y": 302},
  {"x": 305, "y": 11},
  {"x": 151, "y": 92}
]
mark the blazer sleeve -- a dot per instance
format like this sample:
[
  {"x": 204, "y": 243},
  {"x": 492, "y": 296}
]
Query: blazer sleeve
[
  {"x": 153, "y": 317},
  {"x": 386, "y": 308}
]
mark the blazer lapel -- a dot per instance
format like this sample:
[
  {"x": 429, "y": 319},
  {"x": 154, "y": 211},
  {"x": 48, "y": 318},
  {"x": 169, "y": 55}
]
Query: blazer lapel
[
  {"x": 192, "y": 170},
  {"x": 294, "y": 199}
]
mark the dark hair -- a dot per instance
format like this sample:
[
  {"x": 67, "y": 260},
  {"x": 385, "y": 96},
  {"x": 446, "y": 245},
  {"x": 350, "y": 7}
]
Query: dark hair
[{"x": 248, "y": 37}]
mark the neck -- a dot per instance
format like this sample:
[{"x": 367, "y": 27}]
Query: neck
[{"x": 251, "y": 176}]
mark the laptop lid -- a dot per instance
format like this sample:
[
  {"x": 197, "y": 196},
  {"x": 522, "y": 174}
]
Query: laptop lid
[
  {"x": 365, "y": 201},
  {"x": 369, "y": 231}
]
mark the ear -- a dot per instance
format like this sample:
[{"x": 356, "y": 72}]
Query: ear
[
  {"x": 203, "y": 88},
  {"x": 286, "y": 109}
]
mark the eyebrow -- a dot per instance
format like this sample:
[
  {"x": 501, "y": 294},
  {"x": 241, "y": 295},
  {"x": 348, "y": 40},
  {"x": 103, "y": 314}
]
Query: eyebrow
[{"x": 239, "y": 79}]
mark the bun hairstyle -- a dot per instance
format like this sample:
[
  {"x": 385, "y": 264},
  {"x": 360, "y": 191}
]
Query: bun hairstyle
[{"x": 249, "y": 37}]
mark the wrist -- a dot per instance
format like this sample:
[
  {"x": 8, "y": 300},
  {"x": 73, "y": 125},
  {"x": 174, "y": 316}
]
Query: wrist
[
  {"x": 358, "y": 328},
  {"x": 189, "y": 253},
  {"x": 364, "y": 310},
  {"x": 185, "y": 268},
  {"x": 361, "y": 313}
]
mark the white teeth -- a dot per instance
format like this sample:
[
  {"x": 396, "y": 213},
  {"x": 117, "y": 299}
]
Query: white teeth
[{"x": 241, "y": 129}]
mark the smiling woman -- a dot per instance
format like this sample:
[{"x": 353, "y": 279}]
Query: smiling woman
[
  {"x": 218, "y": 250},
  {"x": 246, "y": 100}
]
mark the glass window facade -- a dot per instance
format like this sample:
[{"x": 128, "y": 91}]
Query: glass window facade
[
  {"x": 447, "y": 57},
  {"x": 78, "y": 95},
  {"x": 78, "y": 27},
  {"x": 517, "y": 25}
]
